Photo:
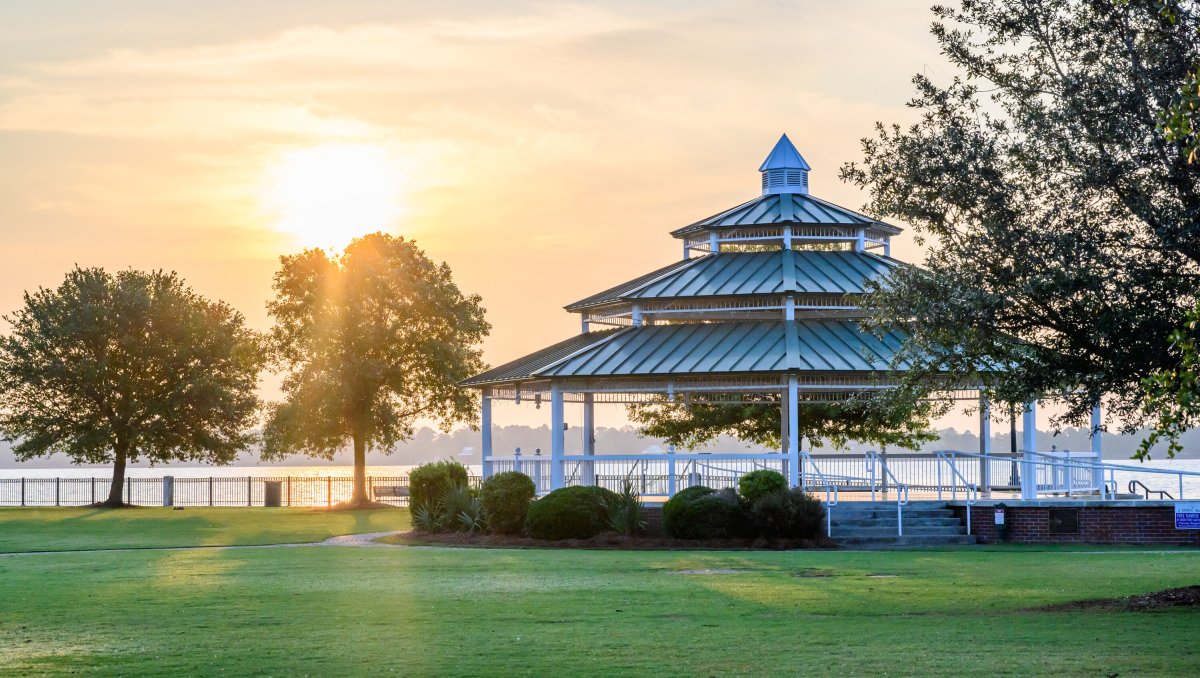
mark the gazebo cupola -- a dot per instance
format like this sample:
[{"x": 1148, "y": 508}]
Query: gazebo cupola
[
  {"x": 786, "y": 216},
  {"x": 784, "y": 170}
]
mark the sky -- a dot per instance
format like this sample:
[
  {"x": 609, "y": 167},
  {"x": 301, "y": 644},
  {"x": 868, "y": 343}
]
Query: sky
[{"x": 543, "y": 150}]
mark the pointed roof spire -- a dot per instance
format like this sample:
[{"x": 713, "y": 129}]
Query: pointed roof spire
[
  {"x": 784, "y": 156},
  {"x": 784, "y": 170}
]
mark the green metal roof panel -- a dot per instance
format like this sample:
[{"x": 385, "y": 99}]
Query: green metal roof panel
[
  {"x": 777, "y": 208},
  {"x": 619, "y": 291},
  {"x": 751, "y": 273},
  {"x": 524, "y": 368},
  {"x": 733, "y": 348}
]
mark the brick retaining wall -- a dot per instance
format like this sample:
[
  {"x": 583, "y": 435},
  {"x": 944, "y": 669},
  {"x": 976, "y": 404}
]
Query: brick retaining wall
[{"x": 1097, "y": 523}]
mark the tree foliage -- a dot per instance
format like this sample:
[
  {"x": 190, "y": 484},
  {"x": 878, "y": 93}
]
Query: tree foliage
[
  {"x": 1064, "y": 228},
  {"x": 117, "y": 368},
  {"x": 1173, "y": 394},
  {"x": 371, "y": 341},
  {"x": 881, "y": 419}
]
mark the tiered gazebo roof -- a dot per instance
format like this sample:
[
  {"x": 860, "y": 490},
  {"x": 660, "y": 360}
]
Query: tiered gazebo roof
[
  {"x": 764, "y": 307},
  {"x": 775, "y": 290}
]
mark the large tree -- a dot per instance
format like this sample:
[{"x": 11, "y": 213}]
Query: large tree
[
  {"x": 1064, "y": 227},
  {"x": 372, "y": 341},
  {"x": 112, "y": 369}
]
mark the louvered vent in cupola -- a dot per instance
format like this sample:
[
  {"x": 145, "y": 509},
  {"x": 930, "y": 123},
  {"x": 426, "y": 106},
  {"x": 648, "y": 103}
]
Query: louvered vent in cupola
[{"x": 784, "y": 170}]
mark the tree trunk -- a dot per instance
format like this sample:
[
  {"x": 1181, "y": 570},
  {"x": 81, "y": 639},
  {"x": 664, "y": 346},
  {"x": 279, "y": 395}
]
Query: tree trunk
[
  {"x": 360, "y": 498},
  {"x": 118, "y": 480}
]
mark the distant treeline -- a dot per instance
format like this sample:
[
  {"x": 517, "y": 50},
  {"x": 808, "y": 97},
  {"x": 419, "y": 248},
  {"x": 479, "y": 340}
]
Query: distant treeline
[{"x": 429, "y": 444}]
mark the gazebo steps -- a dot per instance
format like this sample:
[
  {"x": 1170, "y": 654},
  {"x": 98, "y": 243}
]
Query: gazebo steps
[
  {"x": 906, "y": 541},
  {"x": 863, "y": 524},
  {"x": 919, "y": 521}
]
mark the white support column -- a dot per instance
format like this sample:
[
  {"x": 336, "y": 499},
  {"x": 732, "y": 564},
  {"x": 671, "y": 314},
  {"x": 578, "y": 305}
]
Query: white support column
[
  {"x": 1028, "y": 447},
  {"x": 589, "y": 438},
  {"x": 713, "y": 245},
  {"x": 789, "y": 308},
  {"x": 793, "y": 424},
  {"x": 1097, "y": 448},
  {"x": 784, "y": 423},
  {"x": 558, "y": 437},
  {"x": 687, "y": 251},
  {"x": 485, "y": 430},
  {"x": 787, "y": 237},
  {"x": 583, "y": 319},
  {"x": 887, "y": 245},
  {"x": 636, "y": 315},
  {"x": 985, "y": 444},
  {"x": 860, "y": 240}
]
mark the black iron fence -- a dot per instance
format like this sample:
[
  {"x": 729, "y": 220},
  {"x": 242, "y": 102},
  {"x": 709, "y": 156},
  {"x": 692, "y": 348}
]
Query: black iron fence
[{"x": 208, "y": 491}]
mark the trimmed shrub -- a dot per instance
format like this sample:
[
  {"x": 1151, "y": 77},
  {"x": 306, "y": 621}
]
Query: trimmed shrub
[
  {"x": 789, "y": 514},
  {"x": 427, "y": 483},
  {"x": 506, "y": 497},
  {"x": 757, "y": 484},
  {"x": 569, "y": 513},
  {"x": 700, "y": 512}
]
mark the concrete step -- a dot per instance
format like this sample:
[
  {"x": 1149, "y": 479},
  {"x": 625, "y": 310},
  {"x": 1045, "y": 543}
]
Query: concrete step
[
  {"x": 907, "y": 541},
  {"x": 838, "y": 513},
  {"x": 890, "y": 531},
  {"x": 891, "y": 520}
]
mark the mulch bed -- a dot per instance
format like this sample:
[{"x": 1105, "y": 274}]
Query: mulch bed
[
  {"x": 1187, "y": 596},
  {"x": 606, "y": 540}
]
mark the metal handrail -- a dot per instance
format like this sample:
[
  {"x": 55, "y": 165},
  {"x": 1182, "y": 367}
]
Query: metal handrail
[
  {"x": 1135, "y": 483},
  {"x": 901, "y": 489},
  {"x": 972, "y": 490}
]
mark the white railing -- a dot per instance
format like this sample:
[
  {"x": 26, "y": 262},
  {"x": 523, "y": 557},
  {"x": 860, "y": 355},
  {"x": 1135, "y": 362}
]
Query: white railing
[
  {"x": 806, "y": 462},
  {"x": 873, "y": 461},
  {"x": 936, "y": 474},
  {"x": 971, "y": 490}
]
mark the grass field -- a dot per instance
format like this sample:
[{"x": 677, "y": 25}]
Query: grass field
[
  {"x": 74, "y": 529},
  {"x": 372, "y": 611}
]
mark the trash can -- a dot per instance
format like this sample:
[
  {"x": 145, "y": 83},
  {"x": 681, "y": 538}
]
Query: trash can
[{"x": 273, "y": 493}]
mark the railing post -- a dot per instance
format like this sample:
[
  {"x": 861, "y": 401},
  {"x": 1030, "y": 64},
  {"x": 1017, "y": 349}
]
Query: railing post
[
  {"x": 1029, "y": 484},
  {"x": 671, "y": 481},
  {"x": 1097, "y": 448},
  {"x": 793, "y": 425},
  {"x": 939, "y": 475},
  {"x": 985, "y": 444},
  {"x": 589, "y": 439},
  {"x": 485, "y": 430},
  {"x": 23, "y": 490},
  {"x": 557, "y": 437}
]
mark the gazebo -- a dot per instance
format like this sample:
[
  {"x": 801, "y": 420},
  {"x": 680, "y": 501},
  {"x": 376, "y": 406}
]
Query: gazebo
[{"x": 764, "y": 302}]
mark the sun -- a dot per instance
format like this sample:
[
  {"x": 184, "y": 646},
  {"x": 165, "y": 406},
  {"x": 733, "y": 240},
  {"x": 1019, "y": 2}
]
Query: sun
[{"x": 325, "y": 196}]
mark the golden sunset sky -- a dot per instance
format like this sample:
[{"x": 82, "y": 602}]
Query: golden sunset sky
[{"x": 544, "y": 150}]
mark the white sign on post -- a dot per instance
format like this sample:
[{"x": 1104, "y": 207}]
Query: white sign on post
[{"x": 1187, "y": 515}]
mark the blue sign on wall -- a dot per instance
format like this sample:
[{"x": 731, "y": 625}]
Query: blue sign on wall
[{"x": 1187, "y": 515}]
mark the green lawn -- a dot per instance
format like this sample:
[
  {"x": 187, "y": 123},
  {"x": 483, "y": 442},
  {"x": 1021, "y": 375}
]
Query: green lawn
[
  {"x": 74, "y": 529},
  {"x": 371, "y": 611}
]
